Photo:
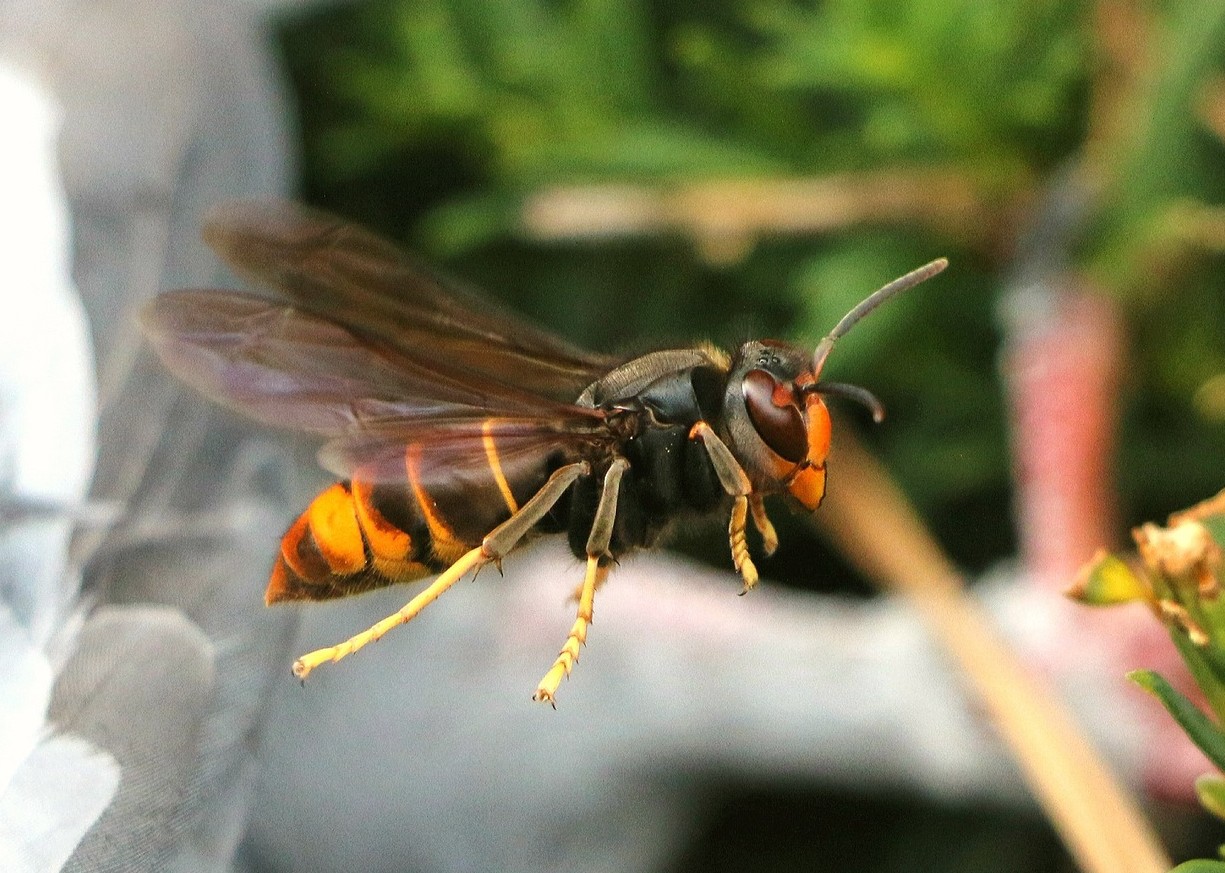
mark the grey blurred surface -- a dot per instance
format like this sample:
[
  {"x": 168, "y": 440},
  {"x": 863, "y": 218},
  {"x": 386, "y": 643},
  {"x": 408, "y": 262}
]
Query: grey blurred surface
[{"x": 425, "y": 752}]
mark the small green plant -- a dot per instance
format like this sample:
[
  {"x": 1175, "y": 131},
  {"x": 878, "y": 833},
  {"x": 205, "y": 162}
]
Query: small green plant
[{"x": 1178, "y": 575}]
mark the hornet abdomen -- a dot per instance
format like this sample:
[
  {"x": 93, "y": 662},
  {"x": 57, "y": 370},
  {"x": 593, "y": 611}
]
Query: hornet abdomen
[{"x": 397, "y": 522}]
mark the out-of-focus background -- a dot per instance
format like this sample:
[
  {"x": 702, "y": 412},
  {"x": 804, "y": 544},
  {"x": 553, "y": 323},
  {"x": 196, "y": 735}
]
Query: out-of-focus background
[{"x": 631, "y": 174}]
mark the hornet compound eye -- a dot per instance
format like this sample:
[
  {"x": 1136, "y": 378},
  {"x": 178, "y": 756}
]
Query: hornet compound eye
[{"x": 775, "y": 416}]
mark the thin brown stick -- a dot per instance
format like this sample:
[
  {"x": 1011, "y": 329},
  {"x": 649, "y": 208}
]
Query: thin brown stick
[{"x": 874, "y": 524}]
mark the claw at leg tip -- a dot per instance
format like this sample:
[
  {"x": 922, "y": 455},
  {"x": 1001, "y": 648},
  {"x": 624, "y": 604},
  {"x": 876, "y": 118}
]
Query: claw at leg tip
[{"x": 544, "y": 696}]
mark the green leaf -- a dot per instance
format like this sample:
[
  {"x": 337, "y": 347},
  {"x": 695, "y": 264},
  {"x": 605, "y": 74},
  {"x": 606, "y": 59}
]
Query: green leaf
[
  {"x": 1200, "y": 866},
  {"x": 1207, "y": 666},
  {"x": 1106, "y": 581},
  {"x": 1216, "y": 527},
  {"x": 1201, "y": 729},
  {"x": 466, "y": 223},
  {"x": 1211, "y": 791}
]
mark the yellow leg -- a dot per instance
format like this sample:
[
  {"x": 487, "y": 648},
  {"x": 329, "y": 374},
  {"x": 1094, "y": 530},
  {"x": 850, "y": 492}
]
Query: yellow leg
[
  {"x": 577, "y": 594},
  {"x": 736, "y": 483},
  {"x": 739, "y": 542},
  {"x": 769, "y": 537},
  {"x": 474, "y": 558},
  {"x": 568, "y": 656}
]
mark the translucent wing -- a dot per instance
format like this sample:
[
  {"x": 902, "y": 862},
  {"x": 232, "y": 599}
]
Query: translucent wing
[
  {"x": 363, "y": 283},
  {"x": 290, "y": 368}
]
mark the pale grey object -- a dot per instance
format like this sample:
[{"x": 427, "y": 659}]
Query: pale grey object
[
  {"x": 140, "y": 686},
  {"x": 53, "y": 786},
  {"x": 203, "y": 489},
  {"x": 53, "y": 799},
  {"x": 168, "y": 107},
  {"x": 47, "y": 403}
]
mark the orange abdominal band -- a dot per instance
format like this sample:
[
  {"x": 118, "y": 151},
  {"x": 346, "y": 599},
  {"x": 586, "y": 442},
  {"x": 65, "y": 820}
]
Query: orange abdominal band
[{"x": 445, "y": 544}]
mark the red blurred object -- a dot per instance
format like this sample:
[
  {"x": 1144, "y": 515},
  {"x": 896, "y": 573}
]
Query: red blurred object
[{"x": 1062, "y": 367}]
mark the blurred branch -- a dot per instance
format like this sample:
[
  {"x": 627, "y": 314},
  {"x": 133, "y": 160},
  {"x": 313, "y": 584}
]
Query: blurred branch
[
  {"x": 727, "y": 217},
  {"x": 1123, "y": 36},
  {"x": 1198, "y": 225},
  {"x": 1210, "y": 106},
  {"x": 875, "y": 526},
  {"x": 1180, "y": 235}
]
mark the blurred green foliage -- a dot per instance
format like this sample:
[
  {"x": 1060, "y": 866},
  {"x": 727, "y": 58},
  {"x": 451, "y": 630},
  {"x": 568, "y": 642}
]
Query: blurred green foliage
[
  {"x": 537, "y": 92},
  {"x": 435, "y": 120}
]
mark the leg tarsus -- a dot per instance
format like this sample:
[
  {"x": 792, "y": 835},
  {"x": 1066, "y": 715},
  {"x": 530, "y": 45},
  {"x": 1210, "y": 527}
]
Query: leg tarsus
[
  {"x": 597, "y": 571},
  {"x": 471, "y": 559},
  {"x": 736, "y": 530},
  {"x": 598, "y": 564},
  {"x": 577, "y": 593}
]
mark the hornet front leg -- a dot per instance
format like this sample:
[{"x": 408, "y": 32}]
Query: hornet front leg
[{"x": 736, "y": 483}]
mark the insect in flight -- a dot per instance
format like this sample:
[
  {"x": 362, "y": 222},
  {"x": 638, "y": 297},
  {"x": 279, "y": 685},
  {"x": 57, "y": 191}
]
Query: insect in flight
[{"x": 458, "y": 430}]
